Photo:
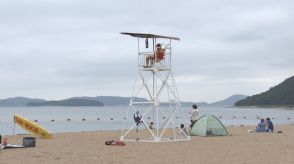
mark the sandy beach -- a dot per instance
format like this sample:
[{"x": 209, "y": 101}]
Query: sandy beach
[{"x": 240, "y": 147}]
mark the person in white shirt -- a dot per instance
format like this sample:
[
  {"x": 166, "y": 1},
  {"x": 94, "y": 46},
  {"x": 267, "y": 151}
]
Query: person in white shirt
[{"x": 194, "y": 115}]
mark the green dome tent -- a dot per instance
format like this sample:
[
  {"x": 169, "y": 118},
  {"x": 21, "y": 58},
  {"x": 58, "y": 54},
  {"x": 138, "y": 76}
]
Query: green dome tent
[{"x": 208, "y": 125}]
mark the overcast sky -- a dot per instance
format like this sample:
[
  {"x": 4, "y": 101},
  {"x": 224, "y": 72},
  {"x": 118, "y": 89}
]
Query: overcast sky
[{"x": 55, "y": 49}]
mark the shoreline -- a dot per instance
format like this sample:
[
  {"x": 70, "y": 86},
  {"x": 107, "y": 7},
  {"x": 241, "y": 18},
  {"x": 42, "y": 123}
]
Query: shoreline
[
  {"x": 291, "y": 107},
  {"x": 119, "y": 130},
  {"x": 239, "y": 147}
]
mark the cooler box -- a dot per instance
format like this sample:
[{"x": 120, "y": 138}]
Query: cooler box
[{"x": 29, "y": 142}]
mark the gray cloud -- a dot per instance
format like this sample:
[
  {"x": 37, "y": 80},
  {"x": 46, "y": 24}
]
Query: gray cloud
[{"x": 58, "y": 49}]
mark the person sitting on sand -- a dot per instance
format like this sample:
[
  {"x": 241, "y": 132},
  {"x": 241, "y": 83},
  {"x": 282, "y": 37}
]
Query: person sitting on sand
[
  {"x": 184, "y": 130},
  {"x": 151, "y": 125},
  {"x": 269, "y": 125},
  {"x": 261, "y": 126}
]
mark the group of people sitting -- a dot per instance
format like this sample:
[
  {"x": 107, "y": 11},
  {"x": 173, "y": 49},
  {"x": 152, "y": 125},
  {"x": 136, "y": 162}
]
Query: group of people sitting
[{"x": 265, "y": 125}]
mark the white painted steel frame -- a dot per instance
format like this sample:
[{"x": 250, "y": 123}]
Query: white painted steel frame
[{"x": 164, "y": 74}]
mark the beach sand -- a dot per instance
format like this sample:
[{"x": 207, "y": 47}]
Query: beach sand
[{"x": 240, "y": 147}]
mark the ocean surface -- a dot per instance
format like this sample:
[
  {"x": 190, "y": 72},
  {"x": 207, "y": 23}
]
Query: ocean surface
[{"x": 77, "y": 119}]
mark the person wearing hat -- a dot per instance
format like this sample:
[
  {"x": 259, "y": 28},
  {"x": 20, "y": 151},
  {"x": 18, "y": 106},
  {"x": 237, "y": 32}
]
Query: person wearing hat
[{"x": 194, "y": 115}]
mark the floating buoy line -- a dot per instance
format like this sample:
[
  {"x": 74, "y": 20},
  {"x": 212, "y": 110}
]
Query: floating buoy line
[{"x": 149, "y": 118}]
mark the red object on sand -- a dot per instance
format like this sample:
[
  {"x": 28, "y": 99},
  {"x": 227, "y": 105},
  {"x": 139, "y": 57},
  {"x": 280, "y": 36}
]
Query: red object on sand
[
  {"x": 5, "y": 141},
  {"x": 113, "y": 143},
  {"x": 119, "y": 143}
]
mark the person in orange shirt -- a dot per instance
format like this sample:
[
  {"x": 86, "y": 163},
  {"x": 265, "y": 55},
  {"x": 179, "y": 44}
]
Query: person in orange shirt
[
  {"x": 159, "y": 53},
  {"x": 158, "y": 56}
]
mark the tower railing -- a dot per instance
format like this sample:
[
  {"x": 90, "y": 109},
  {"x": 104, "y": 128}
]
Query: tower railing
[{"x": 149, "y": 60}]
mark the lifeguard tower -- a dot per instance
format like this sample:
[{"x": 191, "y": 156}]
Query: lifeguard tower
[{"x": 156, "y": 118}]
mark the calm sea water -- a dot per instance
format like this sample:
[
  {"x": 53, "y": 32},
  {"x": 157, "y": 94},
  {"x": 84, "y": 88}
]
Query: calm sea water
[{"x": 55, "y": 119}]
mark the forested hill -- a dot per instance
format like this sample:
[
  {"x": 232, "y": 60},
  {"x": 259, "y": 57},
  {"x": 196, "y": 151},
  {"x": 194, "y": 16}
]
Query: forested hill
[{"x": 280, "y": 95}]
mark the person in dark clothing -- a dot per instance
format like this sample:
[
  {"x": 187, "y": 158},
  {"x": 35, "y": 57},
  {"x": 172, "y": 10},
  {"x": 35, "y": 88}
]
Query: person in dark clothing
[
  {"x": 138, "y": 118},
  {"x": 270, "y": 125},
  {"x": 184, "y": 130},
  {"x": 261, "y": 127}
]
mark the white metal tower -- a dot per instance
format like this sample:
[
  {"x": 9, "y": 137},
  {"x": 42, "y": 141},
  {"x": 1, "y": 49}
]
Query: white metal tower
[{"x": 156, "y": 119}]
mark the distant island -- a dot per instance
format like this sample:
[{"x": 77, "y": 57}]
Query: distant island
[
  {"x": 104, "y": 101},
  {"x": 280, "y": 95},
  {"x": 74, "y": 101},
  {"x": 112, "y": 100},
  {"x": 228, "y": 102},
  {"x": 19, "y": 101},
  {"x": 67, "y": 102}
]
